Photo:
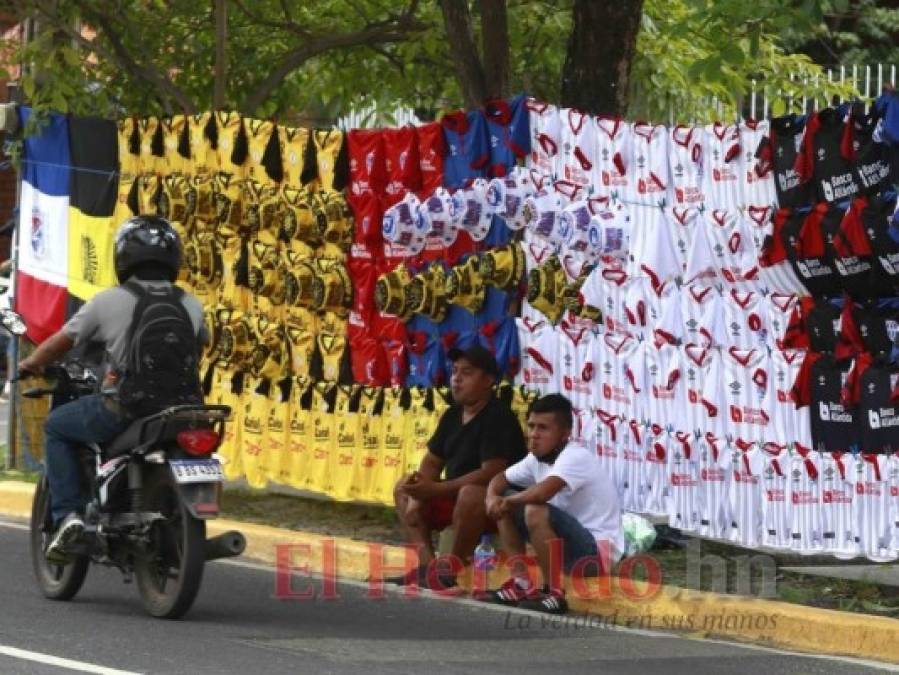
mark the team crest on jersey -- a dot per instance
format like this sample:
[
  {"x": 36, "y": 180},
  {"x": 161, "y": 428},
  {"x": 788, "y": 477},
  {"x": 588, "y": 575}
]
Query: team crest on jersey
[
  {"x": 38, "y": 234},
  {"x": 90, "y": 265},
  {"x": 822, "y": 153}
]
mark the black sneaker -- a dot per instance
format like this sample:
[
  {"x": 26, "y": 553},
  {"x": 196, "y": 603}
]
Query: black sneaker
[
  {"x": 69, "y": 531},
  {"x": 552, "y": 602},
  {"x": 417, "y": 576},
  {"x": 511, "y": 593}
]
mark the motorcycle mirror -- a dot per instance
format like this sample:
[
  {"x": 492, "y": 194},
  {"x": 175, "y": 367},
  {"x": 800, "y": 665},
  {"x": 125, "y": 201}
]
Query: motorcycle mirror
[{"x": 12, "y": 322}]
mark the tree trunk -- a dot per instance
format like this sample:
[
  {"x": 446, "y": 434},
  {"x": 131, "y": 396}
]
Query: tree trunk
[
  {"x": 469, "y": 70},
  {"x": 221, "y": 55},
  {"x": 495, "y": 41},
  {"x": 596, "y": 74}
]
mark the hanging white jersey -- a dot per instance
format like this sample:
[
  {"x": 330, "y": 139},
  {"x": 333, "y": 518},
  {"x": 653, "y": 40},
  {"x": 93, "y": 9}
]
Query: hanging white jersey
[
  {"x": 575, "y": 365},
  {"x": 780, "y": 276},
  {"x": 714, "y": 518},
  {"x": 757, "y": 179},
  {"x": 542, "y": 372},
  {"x": 871, "y": 508},
  {"x": 613, "y": 172},
  {"x": 686, "y": 157},
  {"x": 837, "y": 491},
  {"x": 685, "y": 502},
  {"x": 583, "y": 428},
  {"x": 606, "y": 288},
  {"x": 663, "y": 386},
  {"x": 745, "y": 493},
  {"x": 652, "y": 250},
  {"x": 644, "y": 303},
  {"x": 722, "y": 183},
  {"x": 806, "y": 517},
  {"x": 528, "y": 332},
  {"x": 608, "y": 437},
  {"x": 618, "y": 390},
  {"x": 779, "y": 308},
  {"x": 576, "y": 159},
  {"x": 741, "y": 320},
  {"x": 650, "y": 161},
  {"x": 789, "y": 424},
  {"x": 632, "y": 456},
  {"x": 656, "y": 483},
  {"x": 682, "y": 225},
  {"x": 894, "y": 499},
  {"x": 745, "y": 375},
  {"x": 704, "y": 410},
  {"x": 722, "y": 251},
  {"x": 691, "y": 318},
  {"x": 776, "y": 500},
  {"x": 545, "y": 129}
]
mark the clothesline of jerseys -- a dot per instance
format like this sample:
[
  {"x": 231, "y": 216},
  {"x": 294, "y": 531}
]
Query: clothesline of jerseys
[
  {"x": 789, "y": 161},
  {"x": 839, "y": 503}
]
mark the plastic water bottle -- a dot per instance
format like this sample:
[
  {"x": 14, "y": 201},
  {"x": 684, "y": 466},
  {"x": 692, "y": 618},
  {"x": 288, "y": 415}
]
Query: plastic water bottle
[{"x": 485, "y": 555}]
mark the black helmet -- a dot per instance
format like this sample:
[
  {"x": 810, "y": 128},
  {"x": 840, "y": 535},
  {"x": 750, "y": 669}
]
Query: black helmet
[{"x": 143, "y": 239}]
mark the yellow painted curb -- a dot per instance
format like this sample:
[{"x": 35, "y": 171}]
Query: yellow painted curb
[{"x": 702, "y": 614}]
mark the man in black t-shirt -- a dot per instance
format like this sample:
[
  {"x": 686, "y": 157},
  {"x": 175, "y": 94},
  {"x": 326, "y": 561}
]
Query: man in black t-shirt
[{"x": 476, "y": 438}]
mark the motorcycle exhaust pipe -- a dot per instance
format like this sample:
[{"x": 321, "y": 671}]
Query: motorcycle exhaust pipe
[{"x": 226, "y": 545}]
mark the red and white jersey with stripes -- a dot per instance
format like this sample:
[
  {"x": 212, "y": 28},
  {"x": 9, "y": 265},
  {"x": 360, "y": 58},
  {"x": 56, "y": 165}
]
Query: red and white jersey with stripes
[
  {"x": 577, "y": 148},
  {"x": 776, "y": 496},
  {"x": 577, "y": 373},
  {"x": 584, "y": 428},
  {"x": 692, "y": 316},
  {"x": 779, "y": 308},
  {"x": 606, "y": 288},
  {"x": 722, "y": 184},
  {"x": 656, "y": 484},
  {"x": 686, "y": 156},
  {"x": 872, "y": 509},
  {"x": 545, "y": 128},
  {"x": 714, "y": 518},
  {"x": 536, "y": 252},
  {"x": 742, "y": 321},
  {"x": 723, "y": 251},
  {"x": 608, "y": 438},
  {"x": 780, "y": 276},
  {"x": 632, "y": 456},
  {"x": 789, "y": 425},
  {"x": 685, "y": 501},
  {"x": 613, "y": 172},
  {"x": 644, "y": 304},
  {"x": 618, "y": 390},
  {"x": 757, "y": 186},
  {"x": 542, "y": 358},
  {"x": 894, "y": 498},
  {"x": 682, "y": 224},
  {"x": 652, "y": 250},
  {"x": 663, "y": 385},
  {"x": 528, "y": 333},
  {"x": 837, "y": 492},
  {"x": 806, "y": 516},
  {"x": 705, "y": 411},
  {"x": 650, "y": 162},
  {"x": 745, "y": 495},
  {"x": 745, "y": 375}
]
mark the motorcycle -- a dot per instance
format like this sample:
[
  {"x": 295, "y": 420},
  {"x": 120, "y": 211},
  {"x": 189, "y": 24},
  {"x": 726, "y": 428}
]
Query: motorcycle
[{"x": 152, "y": 489}]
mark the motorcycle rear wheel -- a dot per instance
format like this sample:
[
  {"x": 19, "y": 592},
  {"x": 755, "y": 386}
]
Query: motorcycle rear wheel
[
  {"x": 170, "y": 571},
  {"x": 56, "y": 582}
]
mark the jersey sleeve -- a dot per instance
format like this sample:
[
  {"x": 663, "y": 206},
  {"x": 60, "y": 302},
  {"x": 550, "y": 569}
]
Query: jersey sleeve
[
  {"x": 438, "y": 440},
  {"x": 573, "y": 467},
  {"x": 521, "y": 474},
  {"x": 519, "y": 140},
  {"x": 85, "y": 324}
]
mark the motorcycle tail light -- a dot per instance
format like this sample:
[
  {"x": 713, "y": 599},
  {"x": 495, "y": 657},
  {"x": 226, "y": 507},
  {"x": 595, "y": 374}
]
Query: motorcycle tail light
[{"x": 198, "y": 441}]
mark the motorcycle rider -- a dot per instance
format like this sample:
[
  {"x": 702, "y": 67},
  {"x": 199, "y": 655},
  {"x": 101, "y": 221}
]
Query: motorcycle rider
[{"x": 148, "y": 250}]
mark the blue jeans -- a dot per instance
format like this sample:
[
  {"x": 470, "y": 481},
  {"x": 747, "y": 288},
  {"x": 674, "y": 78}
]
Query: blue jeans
[
  {"x": 69, "y": 427},
  {"x": 577, "y": 542}
]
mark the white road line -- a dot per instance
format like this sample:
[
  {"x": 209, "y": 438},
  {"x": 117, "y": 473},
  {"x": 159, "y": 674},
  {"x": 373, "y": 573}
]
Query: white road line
[
  {"x": 14, "y": 526},
  {"x": 79, "y": 666}
]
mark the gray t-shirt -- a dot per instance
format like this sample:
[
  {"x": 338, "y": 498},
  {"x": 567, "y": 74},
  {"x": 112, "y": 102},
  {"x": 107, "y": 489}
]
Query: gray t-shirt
[{"x": 106, "y": 318}]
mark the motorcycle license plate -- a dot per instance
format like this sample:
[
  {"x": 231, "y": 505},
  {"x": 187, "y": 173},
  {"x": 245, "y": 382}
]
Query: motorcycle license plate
[{"x": 197, "y": 470}]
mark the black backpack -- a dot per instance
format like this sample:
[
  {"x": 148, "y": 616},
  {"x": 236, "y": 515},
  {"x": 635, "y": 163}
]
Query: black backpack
[{"x": 162, "y": 363}]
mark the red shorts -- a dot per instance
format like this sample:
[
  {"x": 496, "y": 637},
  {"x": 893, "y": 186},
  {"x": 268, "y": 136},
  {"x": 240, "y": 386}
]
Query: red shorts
[{"x": 439, "y": 514}]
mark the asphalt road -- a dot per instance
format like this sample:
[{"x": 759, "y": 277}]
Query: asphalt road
[{"x": 237, "y": 626}]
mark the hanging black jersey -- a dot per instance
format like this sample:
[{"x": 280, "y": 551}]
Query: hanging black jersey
[
  {"x": 879, "y": 415},
  {"x": 825, "y": 158},
  {"x": 778, "y": 152},
  {"x": 814, "y": 325},
  {"x": 871, "y": 326},
  {"x": 871, "y": 161},
  {"x": 870, "y": 233},
  {"x": 803, "y": 239},
  {"x": 835, "y": 426}
]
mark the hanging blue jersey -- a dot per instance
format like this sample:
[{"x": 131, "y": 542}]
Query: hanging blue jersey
[
  {"x": 458, "y": 320},
  {"x": 452, "y": 340},
  {"x": 467, "y": 148},
  {"x": 499, "y": 234},
  {"x": 887, "y": 107},
  {"x": 501, "y": 338},
  {"x": 509, "y": 131},
  {"x": 496, "y": 306},
  {"x": 422, "y": 324},
  {"x": 426, "y": 361}
]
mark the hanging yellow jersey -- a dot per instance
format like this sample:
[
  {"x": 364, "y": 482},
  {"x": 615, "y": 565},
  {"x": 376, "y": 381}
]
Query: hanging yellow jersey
[
  {"x": 172, "y": 130},
  {"x": 522, "y": 398},
  {"x": 304, "y": 219},
  {"x": 318, "y": 477},
  {"x": 465, "y": 286},
  {"x": 347, "y": 444},
  {"x": 442, "y": 400},
  {"x": 368, "y": 454},
  {"x": 329, "y": 157},
  {"x": 300, "y": 441},
  {"x": 394, "y": 422},
  {"x": 338, "y": 218},
  {"x": 231, "y": 143},
  {"x": 330, "y": 348},
  {"x": 229, "y": 204},
  {"x": 148, "y": 191},
  {"x": 293, "y": 142},
  {"x": 204, "y": 190},
  {"x": 203, "y": 157},
  {"x": 226, "y": 390},
  {"x": 546, "y": 287},
  {"x": 151, "y": 146},
  {"x": 129, "y": 150},
  {"x": 254, "y": 448},
  {"x": 91, "y": 259},
  {"x": 178, "y": 200},
  {"x": 259, "y": 133},
  {"x": 423, "y": 423},
  {"x": 300, "y": 325},
  {"x": 278, "y": 423},
  {"x": 269, "y": 358}
]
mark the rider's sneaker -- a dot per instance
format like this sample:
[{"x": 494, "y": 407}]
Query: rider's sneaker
[{"x": 69, "y": 531}]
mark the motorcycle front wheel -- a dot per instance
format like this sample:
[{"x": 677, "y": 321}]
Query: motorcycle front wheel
[
  {"x": 57, "y": 582},
  {"x": 169, "y": 572}
]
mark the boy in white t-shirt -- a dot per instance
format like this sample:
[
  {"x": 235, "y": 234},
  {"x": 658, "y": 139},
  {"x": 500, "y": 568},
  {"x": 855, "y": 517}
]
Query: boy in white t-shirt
[{"x": 565, "y": 504}]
